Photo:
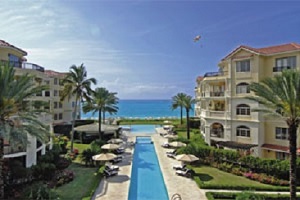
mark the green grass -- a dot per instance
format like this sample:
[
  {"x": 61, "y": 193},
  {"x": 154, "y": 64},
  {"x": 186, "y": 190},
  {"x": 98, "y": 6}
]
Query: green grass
[
  {"x": 84, "y": 182},
  {"x": 212, "y": 176}
]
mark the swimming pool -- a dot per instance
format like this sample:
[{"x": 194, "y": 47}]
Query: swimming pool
[
  {"x": 147, "y": 182},
  {"x": 134, "y": 129}
]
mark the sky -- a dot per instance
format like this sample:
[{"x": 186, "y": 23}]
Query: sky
[{"x": 144, "y": 49}]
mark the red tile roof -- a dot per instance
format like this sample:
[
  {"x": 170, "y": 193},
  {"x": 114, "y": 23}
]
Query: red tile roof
[
  {"x": 268, "y": 50},
  {"x": 6, "y": 44},
  {"x": 54, "y": 73},
  {"x": 278, "y": 148}
]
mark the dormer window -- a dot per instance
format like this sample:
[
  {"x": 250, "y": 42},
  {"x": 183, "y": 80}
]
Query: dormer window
[{"x": 243, "y": 66}]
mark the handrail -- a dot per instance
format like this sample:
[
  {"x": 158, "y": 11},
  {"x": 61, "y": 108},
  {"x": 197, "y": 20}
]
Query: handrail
[{"x": 176, "y": 196}]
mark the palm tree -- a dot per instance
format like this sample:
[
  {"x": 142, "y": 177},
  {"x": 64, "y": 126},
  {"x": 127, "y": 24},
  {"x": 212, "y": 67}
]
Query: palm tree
[
  {"x": 16, "y": 121},
  {"x": 76, "y": 84},
  {"x": 188, "y": 103},
  {"x": 177, "y": 102},
  {"x": 110, "y": 106},
  {"x": 280, "y": 98},
  {"x": 102, "y": 100}
]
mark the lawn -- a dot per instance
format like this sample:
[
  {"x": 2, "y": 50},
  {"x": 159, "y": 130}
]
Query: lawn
[
  {"x": 84, "y": 182},
  {"x": 214, "y": 177}
]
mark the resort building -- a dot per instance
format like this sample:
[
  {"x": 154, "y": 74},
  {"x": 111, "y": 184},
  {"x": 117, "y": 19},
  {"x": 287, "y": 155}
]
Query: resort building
[
  {"x": 225, "y": 113},
  {"x": 58, "y": 112}
]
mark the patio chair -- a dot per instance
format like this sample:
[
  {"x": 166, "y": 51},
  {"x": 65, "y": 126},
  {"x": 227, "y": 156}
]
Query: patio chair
[
  {"x": 119, "y": 158},
  {"x": 179, "y": 167},
  {"x": 110, "y": 173},
  {"x": 110, "y": 167},
  {"x": 185, "y": 172},
  {"x": 120, "y": 150},
  {"x": 171, "y": 154},
  {"x": 165, "y": 145}
]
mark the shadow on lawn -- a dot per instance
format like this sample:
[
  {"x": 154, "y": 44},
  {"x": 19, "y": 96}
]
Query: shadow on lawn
[{"x": 204, "y": 177}]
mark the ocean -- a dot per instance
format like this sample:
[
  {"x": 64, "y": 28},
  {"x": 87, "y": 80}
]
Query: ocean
[{"x": 143, "y": 109}]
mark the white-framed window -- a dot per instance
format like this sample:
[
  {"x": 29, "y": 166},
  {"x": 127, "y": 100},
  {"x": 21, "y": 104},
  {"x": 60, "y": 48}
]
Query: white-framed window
[
  {"x": 60, "y": 116},
  {"x": 242, "y": 88},
  {"x": 281, "y": 155},
  {"x": 55, "y": 81},
  {"x": 55, "y": 93},
  {"x": 55, "y": 104},
  {"x": 286, "y": 62},
  {"x": 243, "y": 66},
  {"x": 281, "y": 133},
  {"x": 55, "y": 116},
  {"x": 243, "y": 131},
  {"x": 243, "y": 109},
  {"x": 60, "y": 105}
]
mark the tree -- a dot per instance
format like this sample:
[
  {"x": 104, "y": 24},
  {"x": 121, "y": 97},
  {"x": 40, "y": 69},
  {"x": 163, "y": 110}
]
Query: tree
[
  {"x": 76, "y": 84},
  {"x": 188, "y": 103},
  {"x": 177, "y": 102},
  {"x": 16, "y": 121},
  {"x": 102, "y": 101},
  {"x": 280, "y": 98}
]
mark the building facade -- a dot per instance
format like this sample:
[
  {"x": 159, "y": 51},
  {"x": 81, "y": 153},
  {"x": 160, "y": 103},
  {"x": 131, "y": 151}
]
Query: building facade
[
  {"x": 58, "y": 112},
  {"x": 225, "y": 113}
]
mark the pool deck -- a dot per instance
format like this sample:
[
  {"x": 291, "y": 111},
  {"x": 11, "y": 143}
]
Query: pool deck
[{"x": 117, "y": 187}]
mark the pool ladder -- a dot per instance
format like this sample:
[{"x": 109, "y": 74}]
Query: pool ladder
[{"x": 176, "y": 196}]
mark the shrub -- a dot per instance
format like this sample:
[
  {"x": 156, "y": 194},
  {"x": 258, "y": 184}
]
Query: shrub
[{"x": 39, "y": 191}]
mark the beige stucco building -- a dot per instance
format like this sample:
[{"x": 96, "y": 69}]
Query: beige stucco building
[
  {"x": 225, "y": 113},
  {"x": 57, "y": 111}
]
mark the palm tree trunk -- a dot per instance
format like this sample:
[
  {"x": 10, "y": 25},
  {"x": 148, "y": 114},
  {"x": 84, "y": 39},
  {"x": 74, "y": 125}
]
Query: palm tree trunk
[
  {"x": 1, "y": 168},
  {"x": 73, "y": 123},
  {"x": 188, "y": 123},
  {"x": 293, "y": 158},
  {"x": 99, "y": 121},
  {"x": 103, "y": 117},
  {"x": 180, "y": 114}
]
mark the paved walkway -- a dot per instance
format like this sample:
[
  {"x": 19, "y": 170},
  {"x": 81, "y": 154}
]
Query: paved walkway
[{"x": 117, "y": 187}]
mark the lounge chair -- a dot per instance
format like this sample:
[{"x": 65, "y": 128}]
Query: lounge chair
[
  {"x": 165, "y": 145},
  {"x": 110, "y": 173},
  {"x": 171, "y": 154},
  {"x": 110, "y": 167},
  {"x": 185, "y": 172},
  {"x": 117, "y": 159},
  {"x": 179, "y": 167},
  {"x": 120, "y": 150}
]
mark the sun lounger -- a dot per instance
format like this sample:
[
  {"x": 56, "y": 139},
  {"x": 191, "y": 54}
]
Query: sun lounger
[
  {"x": 117, "y": 159},
  {"x": 165, "y": 145},
  {"x": 186, "y": 173},
  {"x": 179, "y": 167},
  {"x": 171, "y": 154},
  {"x": 110, "y": 173},
  {"x": 110, "y": 167},
  {"x": 120, "y": 150}
]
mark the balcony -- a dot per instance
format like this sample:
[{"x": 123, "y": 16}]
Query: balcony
[
  {"x": 213, "y": 74},
  {"x": 23, "y": 65},
  {"x": 280, "y": 69},
  {"x": 217, "y": 94},
  {"x": 214, "y": 114}
]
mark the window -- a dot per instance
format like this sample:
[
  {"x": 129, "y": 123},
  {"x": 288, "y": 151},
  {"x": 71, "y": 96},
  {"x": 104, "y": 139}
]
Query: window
[
  {"x": 55, "y": 117},
  {"x": 47, "y": 82},
  {"x": 281, "y": 133},
  {"x": 47, "y": 93},
  {"x": 60, "y": 105},
  {"x": 281, "y": 155},
  {"x": 243, "y": 131},
  {"x": 55, "y": 93},
  {"x": 243, "y": 109},
  {"x": 39, "y": 94},
  {"x": 242, "y": 88},
  {"x": 286, "y": 62},
  {"x": 55, "y": 104},
  {"x": 55, "y": 81},
  {"x": 73, "y": 104},
  {"x": 60, "y": 116},
  {"x": 243, "y": 66}
]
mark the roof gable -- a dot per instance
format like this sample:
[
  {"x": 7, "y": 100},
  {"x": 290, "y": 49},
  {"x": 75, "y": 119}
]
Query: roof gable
[{"x": 6, "y": 44}]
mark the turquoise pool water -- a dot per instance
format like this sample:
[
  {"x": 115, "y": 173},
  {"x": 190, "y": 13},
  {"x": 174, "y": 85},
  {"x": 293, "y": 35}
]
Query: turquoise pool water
[
  {"x": 146, "y": 182},
  {"x": 134, "y": 129}
]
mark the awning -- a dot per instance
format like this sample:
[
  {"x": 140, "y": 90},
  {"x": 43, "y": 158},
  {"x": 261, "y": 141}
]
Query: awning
[
  {"x": 235, "y": 145},
  {"x": 278, "y": 148}
]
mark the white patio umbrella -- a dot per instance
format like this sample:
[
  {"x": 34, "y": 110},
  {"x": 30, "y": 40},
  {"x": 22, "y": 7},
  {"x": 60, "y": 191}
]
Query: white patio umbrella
[
  {"x": 177, "y": 144},
  {"x": 167, "y": 122},
  {"x": 110, "y": 146},
  {"x": 115, "y": 141},
  {"x": 104, "y": 157},
  {"x": 187, "y": 158}
]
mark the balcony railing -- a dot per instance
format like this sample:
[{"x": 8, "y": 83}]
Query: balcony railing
[
  {"x": 212, "y": 74},
  {"x": 13, "y": 149},
  {"x": 24, "y": 65},
  {"x": 280, "y": 69},
  {"x": 217, "y": 94}
]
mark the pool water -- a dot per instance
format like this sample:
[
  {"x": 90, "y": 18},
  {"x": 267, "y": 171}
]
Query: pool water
[
  {"x": 147, "y": 182},
  {"x": 134, "y": 129}
]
